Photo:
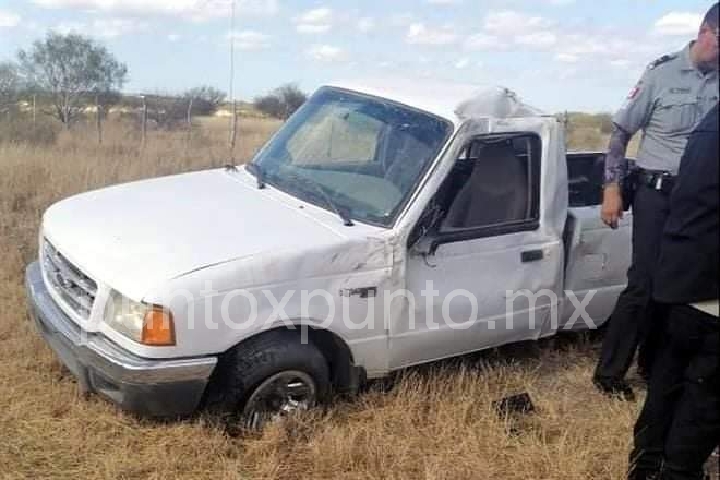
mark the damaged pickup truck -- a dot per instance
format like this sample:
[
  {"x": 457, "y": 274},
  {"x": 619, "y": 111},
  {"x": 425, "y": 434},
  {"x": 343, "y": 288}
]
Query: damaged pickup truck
[{"x": 382, "y": 226}]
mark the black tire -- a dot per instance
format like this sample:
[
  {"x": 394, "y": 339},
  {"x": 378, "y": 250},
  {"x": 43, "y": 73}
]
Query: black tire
[{"x": 244, "y": 368}]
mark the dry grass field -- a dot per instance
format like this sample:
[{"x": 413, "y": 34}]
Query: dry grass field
[{"x": 433, "y": 423}]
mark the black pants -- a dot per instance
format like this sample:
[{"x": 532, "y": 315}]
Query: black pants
[
  {"x": 631, "y": 323},
  {"x": 680, "y": 422}
]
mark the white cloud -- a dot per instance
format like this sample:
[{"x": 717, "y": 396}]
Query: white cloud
[
  {"x": 603, "y": 48},
  {"x": 173, "y": 37},
  {"x": 326, "y": 53},
  {"x": 462, "y": 64},
  {"x": 620, "y": 63},
  {"x": 312, "y": 29},
  {"x": 678, "y": 23},
  {"x": 507, "y": 28},
  {"x": 589, "y": 45},
  {"x": 198, "y": 10},
  {"x": 401, "y": 19},
  {"x": 566, "y": 58},
  {"x": 249, "y": 40},
  {"x": 420, "y": 34},
  {"x": 537, "y": 40},
  {"x": 104, "y": 28},
  {"x": 318, "y": 20},
  {"x": 34, "y": 27},
  {"x": 509, "y": 22},
  {"x": 366, "y": 24},
  {"x": 568, "y": 73},
  {"x": 9, "y": 19},
  {"x": 482, "y": 41},
  {"x": 71, "y": 27},
  {"x": 444, "y": 2},
  {"x": 318, "y": 15}
]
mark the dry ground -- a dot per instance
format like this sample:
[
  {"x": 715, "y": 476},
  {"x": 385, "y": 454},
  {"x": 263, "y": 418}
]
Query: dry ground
[{"x": 434, "y": 423}]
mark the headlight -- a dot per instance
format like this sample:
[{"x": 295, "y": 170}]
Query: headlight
[{"x": 150, "y": 325}]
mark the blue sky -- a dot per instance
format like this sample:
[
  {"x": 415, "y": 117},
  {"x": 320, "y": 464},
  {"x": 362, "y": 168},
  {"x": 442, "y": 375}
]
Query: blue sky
[{"x": 557, "y": 54}]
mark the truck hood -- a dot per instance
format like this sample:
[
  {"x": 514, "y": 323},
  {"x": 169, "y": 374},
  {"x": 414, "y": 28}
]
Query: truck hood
[{"x": 135, "y": 236}]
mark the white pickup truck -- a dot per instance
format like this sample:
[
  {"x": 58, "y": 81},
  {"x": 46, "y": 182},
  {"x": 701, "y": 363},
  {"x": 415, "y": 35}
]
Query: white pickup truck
[{"x": 381, "y": 227}]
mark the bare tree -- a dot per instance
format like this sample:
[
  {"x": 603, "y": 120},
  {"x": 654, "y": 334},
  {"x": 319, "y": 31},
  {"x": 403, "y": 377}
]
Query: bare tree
[
  {"x": 281, "y": 102},
  {"x": 9, "y": 83},
  {"x": 206, "y": 99},
  {"x": 68, "y": 67},
  {"x": 291, "y": 97}
]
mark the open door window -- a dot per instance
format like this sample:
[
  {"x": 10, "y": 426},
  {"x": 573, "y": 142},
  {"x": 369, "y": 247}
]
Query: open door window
[{"x": 493, "y": 189}]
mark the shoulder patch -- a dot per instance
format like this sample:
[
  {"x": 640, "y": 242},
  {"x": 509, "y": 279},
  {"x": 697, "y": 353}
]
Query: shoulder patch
[
  {"x": 664, "y": 59},
  {"x": 633, "y": 93}
]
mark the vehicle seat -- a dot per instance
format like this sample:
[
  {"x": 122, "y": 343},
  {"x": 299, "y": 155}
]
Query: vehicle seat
[{"x": 496, "y": 191}]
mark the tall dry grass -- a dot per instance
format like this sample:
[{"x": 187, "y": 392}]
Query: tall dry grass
[{"x": 435, "y": 422}]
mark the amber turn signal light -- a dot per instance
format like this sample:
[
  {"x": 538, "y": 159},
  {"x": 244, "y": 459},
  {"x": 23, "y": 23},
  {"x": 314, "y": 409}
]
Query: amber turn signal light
[{"x": 158, "y": 328}]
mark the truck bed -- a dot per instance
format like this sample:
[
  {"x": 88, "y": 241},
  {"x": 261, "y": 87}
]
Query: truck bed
[{"x": 589, "y": 263}]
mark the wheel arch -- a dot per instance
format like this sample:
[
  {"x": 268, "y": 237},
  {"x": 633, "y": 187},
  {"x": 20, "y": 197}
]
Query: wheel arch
[{"x": 346, "y": 377}]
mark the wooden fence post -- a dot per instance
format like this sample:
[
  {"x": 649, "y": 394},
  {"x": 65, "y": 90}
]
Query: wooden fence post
[
  {"x": 189, "y": 120},
  {"x": 97, "y": 119},
  {"x": 144, "y": 121}
]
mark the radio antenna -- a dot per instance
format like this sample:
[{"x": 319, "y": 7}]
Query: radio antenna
[
  {"x": 232, "y": 49},
  {"x": 231, "y": 93}
]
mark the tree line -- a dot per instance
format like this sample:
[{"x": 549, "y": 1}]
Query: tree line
[{"x": 67, "y": 73}]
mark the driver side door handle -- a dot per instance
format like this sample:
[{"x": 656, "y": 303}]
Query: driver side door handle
[{"x": 531, "y": 256}]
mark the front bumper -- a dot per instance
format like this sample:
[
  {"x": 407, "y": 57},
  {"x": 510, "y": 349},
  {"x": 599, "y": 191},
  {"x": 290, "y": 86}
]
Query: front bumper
[{"x": 150, "y": 388}]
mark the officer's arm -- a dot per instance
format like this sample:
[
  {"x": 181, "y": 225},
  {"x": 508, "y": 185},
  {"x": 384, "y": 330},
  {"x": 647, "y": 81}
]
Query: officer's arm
[
  {"x": 615, "y": 160},
  {"x": 632, "y": 117}
]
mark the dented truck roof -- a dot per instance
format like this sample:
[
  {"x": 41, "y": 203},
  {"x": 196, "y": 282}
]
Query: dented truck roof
[{"x": 456, "y": 102}]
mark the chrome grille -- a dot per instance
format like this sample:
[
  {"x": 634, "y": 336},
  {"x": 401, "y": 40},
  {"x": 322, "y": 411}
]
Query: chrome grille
[{"x": 75, "y": 288}]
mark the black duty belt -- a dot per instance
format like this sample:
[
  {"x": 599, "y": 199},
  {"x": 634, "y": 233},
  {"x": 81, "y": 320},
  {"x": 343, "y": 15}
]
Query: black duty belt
[{"x": 660, "y": 180}]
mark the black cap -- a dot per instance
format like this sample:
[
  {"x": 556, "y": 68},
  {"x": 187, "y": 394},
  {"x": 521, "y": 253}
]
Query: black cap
[{"x": 711, "y": 17}]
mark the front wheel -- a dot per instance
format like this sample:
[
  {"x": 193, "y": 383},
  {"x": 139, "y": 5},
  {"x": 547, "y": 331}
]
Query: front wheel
[{"x": 268, "y": 377}]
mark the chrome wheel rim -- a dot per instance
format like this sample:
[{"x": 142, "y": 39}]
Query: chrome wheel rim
[{"x": 280, "y": 395}]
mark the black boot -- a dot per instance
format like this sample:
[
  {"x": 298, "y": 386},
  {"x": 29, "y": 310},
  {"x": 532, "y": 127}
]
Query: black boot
[
  {"x": 643, "y": 474},
  {"x": 615, "y": 388}
]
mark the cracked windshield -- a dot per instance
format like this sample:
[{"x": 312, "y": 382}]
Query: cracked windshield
[{"x": 363, "y": 155}]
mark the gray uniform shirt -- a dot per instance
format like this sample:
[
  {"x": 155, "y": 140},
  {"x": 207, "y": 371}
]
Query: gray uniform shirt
[{"x": 668, "y": 102}]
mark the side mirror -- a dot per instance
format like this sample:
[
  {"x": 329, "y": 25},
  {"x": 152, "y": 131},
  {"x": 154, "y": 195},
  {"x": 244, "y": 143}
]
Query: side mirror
[
  {"x": 425, "y": 243},
  {"x": 425, "y": 246}
]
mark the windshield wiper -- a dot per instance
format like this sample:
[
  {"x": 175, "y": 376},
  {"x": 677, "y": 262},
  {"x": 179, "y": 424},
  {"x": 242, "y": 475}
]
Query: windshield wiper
[
  {"x": 258, "y": 172},
  {"x": 340, "y": 211}
]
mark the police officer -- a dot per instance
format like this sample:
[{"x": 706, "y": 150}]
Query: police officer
[
  {"x": 673, "y": 95},
  {"x": 680, "y": 421}
]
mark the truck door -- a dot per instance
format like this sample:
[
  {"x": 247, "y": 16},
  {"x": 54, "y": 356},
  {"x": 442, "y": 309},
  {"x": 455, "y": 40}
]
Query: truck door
[{"x": 488, "y": 273}]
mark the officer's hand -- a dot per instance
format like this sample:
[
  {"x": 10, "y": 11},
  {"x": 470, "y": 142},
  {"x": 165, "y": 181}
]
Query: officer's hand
[{"x": 612, "y": 206}]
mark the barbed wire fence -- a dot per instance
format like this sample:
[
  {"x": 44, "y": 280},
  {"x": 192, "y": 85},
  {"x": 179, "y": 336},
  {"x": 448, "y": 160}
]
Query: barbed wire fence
[{"x": 144, "y": 112}]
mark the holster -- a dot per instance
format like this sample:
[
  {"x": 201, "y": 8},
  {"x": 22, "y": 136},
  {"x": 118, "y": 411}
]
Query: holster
[{"x": 630, "y": 186}]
